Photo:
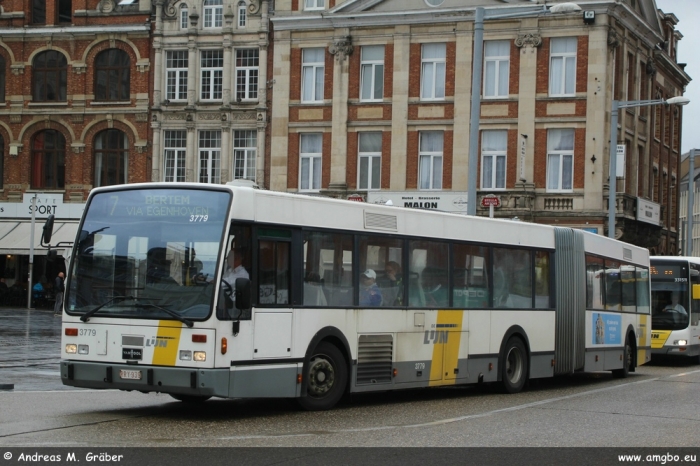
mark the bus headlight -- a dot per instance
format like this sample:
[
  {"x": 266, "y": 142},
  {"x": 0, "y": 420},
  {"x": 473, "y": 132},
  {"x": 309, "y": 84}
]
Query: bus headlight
[
  {"x": 680, "y": 342},
  {"x": 200, "y": 356},
  {"x": 83, "y": 349},
  {"x": 71, "y": 348},
  {"x": 185, "y": 355}
]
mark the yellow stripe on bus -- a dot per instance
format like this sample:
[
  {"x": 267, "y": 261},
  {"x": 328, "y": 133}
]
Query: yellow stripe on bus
[
  {"x": 446, "y": 347},
  {"x": 659, "y": 337},
  {"x": 166, "y": 354}
]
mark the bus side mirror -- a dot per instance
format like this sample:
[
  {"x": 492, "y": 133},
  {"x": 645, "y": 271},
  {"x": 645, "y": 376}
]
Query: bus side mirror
[
  {"x": 51, "y": 255},
  {"x": 48, "y": 230},
  {"x": 696, "y": 291},
  {"x": 242, "y": 294}
]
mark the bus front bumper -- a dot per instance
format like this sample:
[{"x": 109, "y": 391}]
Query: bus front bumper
[{"x": 177, "y": 380}]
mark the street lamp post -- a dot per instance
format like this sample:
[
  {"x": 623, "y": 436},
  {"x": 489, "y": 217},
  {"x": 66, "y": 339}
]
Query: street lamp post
[
  {"x": 616, "y": 105},
  {"x": 479, "y": 16}
]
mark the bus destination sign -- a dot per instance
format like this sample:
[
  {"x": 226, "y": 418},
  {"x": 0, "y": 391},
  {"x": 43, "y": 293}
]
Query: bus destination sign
[{"x": 670, "y": 272}]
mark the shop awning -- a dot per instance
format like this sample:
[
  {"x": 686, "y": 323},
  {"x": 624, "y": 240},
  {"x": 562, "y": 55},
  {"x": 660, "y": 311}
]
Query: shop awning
[{"x": 14, "y": 236}]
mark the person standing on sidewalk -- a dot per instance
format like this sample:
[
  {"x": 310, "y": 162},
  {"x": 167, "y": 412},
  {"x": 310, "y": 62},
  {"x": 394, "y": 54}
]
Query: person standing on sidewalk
[{"x": 58, "y": 286}]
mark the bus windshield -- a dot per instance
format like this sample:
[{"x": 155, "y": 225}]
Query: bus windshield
[
  {"x": 148, "y": 253},
  {"x": 669, "y": 296}
]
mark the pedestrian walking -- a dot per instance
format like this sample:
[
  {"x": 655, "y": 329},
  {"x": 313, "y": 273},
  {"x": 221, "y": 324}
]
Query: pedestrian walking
[{"x": 57, "y": 308}]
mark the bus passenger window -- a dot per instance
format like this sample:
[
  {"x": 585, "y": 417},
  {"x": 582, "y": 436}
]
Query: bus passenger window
[
  {"x": 595, "y": 282},
  {"x": 428, "y": 280},
  {"x": 512, "y": 278},
  {"x": 642, "y": 290},
  {"x": 383, "y": 255},
  {"x": 327, "y": 269},
  {"x": 542, "y": 277},
  {"x": 471, "y": 283}
]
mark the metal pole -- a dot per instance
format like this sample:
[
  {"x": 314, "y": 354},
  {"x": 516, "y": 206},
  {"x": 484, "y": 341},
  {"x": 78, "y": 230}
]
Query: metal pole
[
  {"x": 31, "y": 253},
  {"x": 691, "y": 203},
  {"x": 613, "y": 171},
  {"x": 475, "y": 109}
]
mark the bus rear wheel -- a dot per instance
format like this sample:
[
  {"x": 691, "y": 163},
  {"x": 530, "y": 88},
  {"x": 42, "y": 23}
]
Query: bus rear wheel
[
  {"x": 514, "y": 368},
  {"x": 627, "y": 361},
  {"x": 326, "y": 378}
]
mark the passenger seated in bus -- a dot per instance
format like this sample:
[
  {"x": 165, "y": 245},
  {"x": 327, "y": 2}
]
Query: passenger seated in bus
[
  {"x": 370, "y": 295},
  {"x": 435, "y": 287},
  {"x": 675, "y": 306},
  {"x": 391, "y": 285}
]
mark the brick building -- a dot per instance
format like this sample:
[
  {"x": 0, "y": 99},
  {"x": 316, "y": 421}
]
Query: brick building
[
  {"x": 372, "y": 98},
  {"x": 75, "y": 86}
]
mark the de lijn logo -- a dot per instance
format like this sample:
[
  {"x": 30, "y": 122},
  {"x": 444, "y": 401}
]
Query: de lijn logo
[{"x": 437, "y": 336}]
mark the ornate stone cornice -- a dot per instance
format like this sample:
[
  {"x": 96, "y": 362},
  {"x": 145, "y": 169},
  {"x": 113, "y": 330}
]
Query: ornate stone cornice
[
  {"x": 528, "y": 40},
  {"x": 342, "y": 47}
]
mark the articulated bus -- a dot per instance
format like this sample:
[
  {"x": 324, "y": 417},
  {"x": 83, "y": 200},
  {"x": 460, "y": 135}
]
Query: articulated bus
[
  {"x": 202, "y": 291},
  {"x": 675, "y": 297}
]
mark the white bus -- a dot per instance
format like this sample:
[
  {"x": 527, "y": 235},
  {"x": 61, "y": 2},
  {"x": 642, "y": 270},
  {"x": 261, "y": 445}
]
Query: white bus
[
  {"x": 332, "y": 296},
  {"x": 675, "y": 297}
]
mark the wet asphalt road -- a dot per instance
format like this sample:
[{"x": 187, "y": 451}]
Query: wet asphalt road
[{"x": 29, "y": 349}]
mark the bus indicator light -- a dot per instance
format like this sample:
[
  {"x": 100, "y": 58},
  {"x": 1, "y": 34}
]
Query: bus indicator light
[
  {"x": 224, "y": 345},
  {"x": 199, "y": 338},
  {"x": 71, "y": 332}
]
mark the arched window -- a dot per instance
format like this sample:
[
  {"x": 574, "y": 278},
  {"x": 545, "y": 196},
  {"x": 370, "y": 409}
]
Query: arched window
[
  {"x": 2, "y": 79},
  {"x": 48, "y": 160},
  {"x": 184, "y": 16},
  {"x": 111, "y": 157},
  {"x": 112, "y": 75},
  {"x": 49, "y": 71}
]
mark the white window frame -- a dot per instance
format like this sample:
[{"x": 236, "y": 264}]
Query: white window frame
[
  {"x": 174, "y": 155},
  {"x": 493, "y": 75},
  {"x": 433, "y": 68},
  {"x": 242, "y": 15},
  {"x": 209, "y": 169},
  {"x": 310, "y": 5},
  {"x": 556, "y": 173},
  {"x": 213, "y": 14},
  {"x": 214, "y": 74},
  {"x": 184, "y": 16},
  {"x": 245, "y": 151},
  {"x": 562, "y": 61},
  {"x": 176, "y": 76},
  {"x": 373, "y": 68},
  {"x": 434, "y": 180},
  {"x": 249, "y": 74},
  {"x": 370, "y": 157},
  {"x": 490, "y": 158},
  {"x": 315, "y": 170},
  {"x": 312, "y": 68}
]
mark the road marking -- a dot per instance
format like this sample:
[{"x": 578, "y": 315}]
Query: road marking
[{"x": 460, "y": 418}]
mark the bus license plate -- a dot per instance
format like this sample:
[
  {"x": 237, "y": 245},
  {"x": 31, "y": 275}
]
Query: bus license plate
[{"x": 132, "y": 375}]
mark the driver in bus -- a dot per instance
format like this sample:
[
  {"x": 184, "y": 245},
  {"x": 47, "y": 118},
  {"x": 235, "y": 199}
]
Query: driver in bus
[{"x": 675, "y": 306}]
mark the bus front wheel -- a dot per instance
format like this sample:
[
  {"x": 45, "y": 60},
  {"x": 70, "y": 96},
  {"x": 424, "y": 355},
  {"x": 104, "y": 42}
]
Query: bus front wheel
[
  {"x": 514, "y": 368},
  {"x": 326, "y": 377}
]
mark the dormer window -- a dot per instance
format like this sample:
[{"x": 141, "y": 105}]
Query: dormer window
[{"x": 314, "y": 4}]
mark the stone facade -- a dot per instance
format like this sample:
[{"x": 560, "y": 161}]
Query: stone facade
[
  {"x": 209, "y": 115},
  {"x": 627, "y": 53},
  {"x": 74, "y": 108}
]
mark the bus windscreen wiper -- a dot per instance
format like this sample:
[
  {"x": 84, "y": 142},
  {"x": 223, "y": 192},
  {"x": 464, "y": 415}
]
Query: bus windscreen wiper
[
  {"x": 92, "y": 312},
  {"x": 170, "y": 312}
]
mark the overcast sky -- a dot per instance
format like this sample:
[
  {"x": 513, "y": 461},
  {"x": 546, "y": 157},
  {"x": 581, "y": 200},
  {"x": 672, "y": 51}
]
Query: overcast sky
[{"x": 688, "y": 14}]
